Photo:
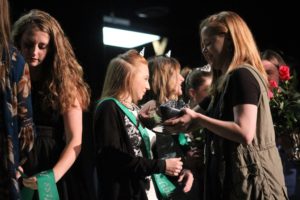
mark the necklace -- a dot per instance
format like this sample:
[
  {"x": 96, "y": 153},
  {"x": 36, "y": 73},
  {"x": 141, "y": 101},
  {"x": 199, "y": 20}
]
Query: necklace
[{"x": 128, "y": 104}]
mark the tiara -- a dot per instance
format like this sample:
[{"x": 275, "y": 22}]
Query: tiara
[
  {"x": 142, "y": 52},
  {"x": 168, "y": 54},
  {"x": 205, "y": 68}
]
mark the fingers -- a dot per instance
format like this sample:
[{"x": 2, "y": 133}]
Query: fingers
[
  {"x": 30, "y": 182},
  {"x": 19, "y": 172},
  {"x": 173, "y": 166},
  {"x": 188, "y": 177}
]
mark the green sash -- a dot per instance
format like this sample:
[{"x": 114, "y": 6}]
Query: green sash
[
  {"x": 163, "y": 184},
  {"x": 46, "y": 187}
]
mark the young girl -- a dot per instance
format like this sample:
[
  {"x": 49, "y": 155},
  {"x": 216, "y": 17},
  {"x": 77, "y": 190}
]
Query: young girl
[{"x": 59, "y": 95}]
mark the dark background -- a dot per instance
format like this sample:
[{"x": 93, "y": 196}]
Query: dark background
[{"x": 273, "y": 25}]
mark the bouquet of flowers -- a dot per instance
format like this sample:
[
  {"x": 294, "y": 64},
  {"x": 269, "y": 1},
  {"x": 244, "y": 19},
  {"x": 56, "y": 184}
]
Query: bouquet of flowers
[{"x": 285, "y": 108}]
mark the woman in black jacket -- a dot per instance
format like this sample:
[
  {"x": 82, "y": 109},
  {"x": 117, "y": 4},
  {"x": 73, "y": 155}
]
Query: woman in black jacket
[{"x": 125, "y": 166}]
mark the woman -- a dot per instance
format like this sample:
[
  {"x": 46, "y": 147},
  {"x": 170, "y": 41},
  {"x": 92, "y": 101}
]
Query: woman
[
  {"x": 59, "y": 95},
  {"x": 166, "y": 81},
  {"x": 242, "y": 161},
  {"x": 16, "y": 126},
  {"x": 125, "y": 166}
]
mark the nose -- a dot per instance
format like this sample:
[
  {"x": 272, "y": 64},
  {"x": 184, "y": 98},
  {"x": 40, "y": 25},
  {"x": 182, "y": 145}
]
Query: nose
[
  {"x": 33, "y": 50},
  {"x": 204, "y": 50},
  {"x": 181, "y": 78},
  {"x": 147, "y": 86}
]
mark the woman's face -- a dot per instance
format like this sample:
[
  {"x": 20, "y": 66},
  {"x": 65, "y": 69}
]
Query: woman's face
[
  {"x": 175, "y": 84},
  {"x": 140, "y": 82},
  {"x": 213, "y": 48},
  {"x": 272, "y": 71},
  {"x": 34, "y": 46},
  {"x": 179, "y": 81}
]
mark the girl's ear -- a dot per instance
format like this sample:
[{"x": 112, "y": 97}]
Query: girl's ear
[{"x": 191, "y": 92}]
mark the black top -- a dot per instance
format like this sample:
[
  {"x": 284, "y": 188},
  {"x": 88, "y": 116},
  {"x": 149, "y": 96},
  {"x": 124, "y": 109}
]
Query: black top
[
  {"x": 242, "y": 88},
  {"x": 121, "y": 173}
]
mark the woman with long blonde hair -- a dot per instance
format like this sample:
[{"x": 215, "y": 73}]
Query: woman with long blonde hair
[{"x": 242, "y": 161}]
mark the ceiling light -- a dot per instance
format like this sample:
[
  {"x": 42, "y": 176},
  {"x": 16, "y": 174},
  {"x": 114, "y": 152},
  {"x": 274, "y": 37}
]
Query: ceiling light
[{"x": 125, "y": 38}]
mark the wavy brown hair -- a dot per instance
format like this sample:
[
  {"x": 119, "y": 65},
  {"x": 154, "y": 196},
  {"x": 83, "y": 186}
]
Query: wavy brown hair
[
  {"x": 120, "y": 72},
  {"x": 4, "y": 31},
  {"x": 64, "y": 78},
  {"x": 245, "y": 51}
]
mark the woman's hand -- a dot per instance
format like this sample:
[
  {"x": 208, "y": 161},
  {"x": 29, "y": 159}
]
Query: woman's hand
[
  {"x": 182, "y": 124},
  {"x": 188, "y": 178},
  {"x": 30, "y": 182},
  {"x": 173, "y": 166}
]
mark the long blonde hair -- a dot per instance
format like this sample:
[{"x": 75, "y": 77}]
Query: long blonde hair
[
  {"x": 162, "y": 72},
  {"x": 245, "y": 51},
  {"x": 119, "y": 75},
  {"x": 65, "y": 79}
]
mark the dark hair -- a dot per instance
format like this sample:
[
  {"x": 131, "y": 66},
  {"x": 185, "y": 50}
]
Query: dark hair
[
  {"x": 196, "y": 77},
  {"x": 274, "y": 57}
]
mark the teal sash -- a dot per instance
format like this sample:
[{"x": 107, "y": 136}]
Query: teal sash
[
  {"x": 164, "y": 186},
  {"x": 46, "y": 187}
]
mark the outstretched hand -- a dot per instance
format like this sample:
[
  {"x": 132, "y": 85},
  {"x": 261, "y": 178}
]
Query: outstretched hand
[{"x": 181, "y": 124}]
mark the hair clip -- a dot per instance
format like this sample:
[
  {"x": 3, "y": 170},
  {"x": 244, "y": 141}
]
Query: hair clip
[
  {"x": 168, "y": 54},
  {"x": 142, "y": 52}
]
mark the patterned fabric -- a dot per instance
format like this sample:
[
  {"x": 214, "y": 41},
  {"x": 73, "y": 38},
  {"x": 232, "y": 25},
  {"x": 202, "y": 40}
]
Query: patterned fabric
[
  {"x": 16, "y": 125},
  {"x": 134, "y": 136}
]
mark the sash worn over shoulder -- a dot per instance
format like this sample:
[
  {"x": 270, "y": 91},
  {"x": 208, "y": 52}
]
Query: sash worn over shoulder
[{"x": 164, "y": 186}]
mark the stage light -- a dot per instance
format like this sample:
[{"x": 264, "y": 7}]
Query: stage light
[{"x": 124, "y": 37}]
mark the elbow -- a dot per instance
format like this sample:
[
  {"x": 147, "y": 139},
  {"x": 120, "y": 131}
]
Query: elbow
[
  {"x": 77, "y": 149},
  {"x": 247, "y": 138}
]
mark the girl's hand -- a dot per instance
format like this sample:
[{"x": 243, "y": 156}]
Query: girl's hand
[{"x": 30, "y": 182}]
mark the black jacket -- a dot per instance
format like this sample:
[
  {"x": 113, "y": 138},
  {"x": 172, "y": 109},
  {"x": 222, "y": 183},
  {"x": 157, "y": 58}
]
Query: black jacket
[{"x": 121, "y": 174}]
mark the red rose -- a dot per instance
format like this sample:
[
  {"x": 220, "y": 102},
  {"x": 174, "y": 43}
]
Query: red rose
[{"x": 284, "y": 73}]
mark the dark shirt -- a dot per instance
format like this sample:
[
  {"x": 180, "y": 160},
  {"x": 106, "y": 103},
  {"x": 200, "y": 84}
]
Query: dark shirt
[
  {"x": 242, "y": 88},
  {"x": 121, "y": 174}
]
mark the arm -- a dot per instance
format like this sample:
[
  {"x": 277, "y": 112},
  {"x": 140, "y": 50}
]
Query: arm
[
  {"x": 73, "y": 132},
  {"x": 241, "y": 130},
  {"x": 243, "y": 94}
]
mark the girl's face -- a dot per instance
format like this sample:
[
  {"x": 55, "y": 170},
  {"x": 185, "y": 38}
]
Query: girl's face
[
  {"x": 179, "y": 81},
  {"x": 214, "y": 48},
  {"x": 175, "y": 84},
  {"x": 34, "y": 46},
  {"x": 140, "y": 82},
  {"x": 272, "y": 70}
]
